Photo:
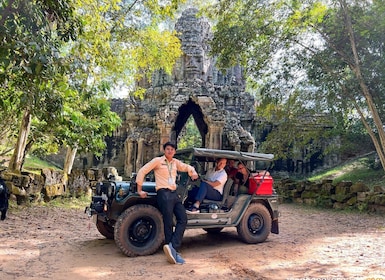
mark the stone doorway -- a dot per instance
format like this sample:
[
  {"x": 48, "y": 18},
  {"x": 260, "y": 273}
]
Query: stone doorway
[{"x": 184, "y": 113}]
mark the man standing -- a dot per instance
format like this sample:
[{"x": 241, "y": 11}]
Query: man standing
[{"x": 165, "y": 170}]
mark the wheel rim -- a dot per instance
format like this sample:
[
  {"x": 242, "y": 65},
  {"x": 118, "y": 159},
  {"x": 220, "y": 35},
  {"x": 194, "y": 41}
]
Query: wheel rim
[
  {"x": 141, "y": 231},
  {"x": 255, "y": 223}
]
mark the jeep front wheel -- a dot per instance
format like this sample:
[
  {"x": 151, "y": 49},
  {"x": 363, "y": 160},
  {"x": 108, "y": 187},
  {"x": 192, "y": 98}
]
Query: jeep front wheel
[
  {"x": 255, "y": 224},
  {"x": 139, "y": 230},
  {"x": 105, "y": 229}
]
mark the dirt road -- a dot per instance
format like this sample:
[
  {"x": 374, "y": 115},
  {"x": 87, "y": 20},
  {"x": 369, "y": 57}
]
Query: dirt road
[{"x": 52, "y": 243}]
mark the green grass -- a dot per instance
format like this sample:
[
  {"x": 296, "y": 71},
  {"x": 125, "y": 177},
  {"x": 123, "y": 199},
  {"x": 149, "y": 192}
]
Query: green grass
[
  {"x": 33, "y": 163},
  {"x": 358, "y": 170},
  {"x": 64, "y": 202},
  {"x": 69, "y": 202}
]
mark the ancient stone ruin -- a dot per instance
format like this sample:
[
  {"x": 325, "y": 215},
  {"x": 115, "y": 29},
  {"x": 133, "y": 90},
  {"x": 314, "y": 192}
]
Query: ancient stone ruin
[{"x": 223, "y": 112}]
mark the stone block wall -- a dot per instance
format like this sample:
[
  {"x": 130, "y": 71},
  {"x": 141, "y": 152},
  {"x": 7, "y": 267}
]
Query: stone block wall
[
  {"x": 30, "y": 187},
  {"x": 343, "y": 195}
]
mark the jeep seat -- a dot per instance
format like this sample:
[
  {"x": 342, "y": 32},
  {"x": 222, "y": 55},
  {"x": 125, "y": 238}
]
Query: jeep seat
[{"x": 226, "y": 191}]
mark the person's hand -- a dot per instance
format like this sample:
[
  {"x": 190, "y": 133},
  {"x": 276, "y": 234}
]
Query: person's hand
[
  {"x": 194, "y": 176},
  {"x": 142, "y": 194}
]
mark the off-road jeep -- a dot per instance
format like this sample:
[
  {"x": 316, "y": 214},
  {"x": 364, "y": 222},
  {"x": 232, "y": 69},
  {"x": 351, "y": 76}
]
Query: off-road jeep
[{"x": 136, "y": 223}]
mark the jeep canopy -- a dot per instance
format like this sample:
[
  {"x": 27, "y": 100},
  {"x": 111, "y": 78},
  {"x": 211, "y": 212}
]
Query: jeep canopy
[{"x": 236, "y": 155}]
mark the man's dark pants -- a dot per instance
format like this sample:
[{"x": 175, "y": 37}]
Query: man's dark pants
[
  {"x": 205, "y": 191},
  {"x": 169, "y": 204}
]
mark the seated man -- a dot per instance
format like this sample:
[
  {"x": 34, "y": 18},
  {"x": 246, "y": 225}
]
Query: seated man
[{"x": 211, "y": 187}]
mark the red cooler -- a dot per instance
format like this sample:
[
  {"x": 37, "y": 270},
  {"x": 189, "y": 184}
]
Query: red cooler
[{"x": 264, "y": 188}]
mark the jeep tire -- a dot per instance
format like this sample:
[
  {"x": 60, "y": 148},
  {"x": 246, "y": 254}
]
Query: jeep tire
[
  {"x": 105, "y": 229},
  {"x": 139, "y": 230},
  {"x": 255, "y": 224}
]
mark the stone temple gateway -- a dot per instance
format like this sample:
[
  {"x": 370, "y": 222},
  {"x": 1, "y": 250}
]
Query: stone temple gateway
[{"x": 223, "y": 112}]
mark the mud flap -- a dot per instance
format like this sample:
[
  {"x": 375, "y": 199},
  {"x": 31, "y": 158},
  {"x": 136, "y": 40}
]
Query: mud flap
[{"x": 274, "y": 227}]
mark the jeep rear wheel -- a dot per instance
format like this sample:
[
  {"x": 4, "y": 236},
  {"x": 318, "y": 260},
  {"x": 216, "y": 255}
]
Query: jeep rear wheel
[
  {"x": 255, "y": 225},
  {"x": 139, "y": 230},
  {"x": 105, "y": 229}
]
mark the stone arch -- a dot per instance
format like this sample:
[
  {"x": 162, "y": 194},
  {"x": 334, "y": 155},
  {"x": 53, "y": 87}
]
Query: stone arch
[{"x": 184, "y": 112}]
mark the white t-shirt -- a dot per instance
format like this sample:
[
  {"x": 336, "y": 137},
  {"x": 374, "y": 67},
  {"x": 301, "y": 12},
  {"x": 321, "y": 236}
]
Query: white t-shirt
[{"x": 217, "y": 175}]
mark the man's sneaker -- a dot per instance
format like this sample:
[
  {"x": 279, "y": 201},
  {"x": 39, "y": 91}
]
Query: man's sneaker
[
  {"x": 192, "y": 210},
  {"x": 179, "y": 259},
  {"x": 170, "y": 253}
]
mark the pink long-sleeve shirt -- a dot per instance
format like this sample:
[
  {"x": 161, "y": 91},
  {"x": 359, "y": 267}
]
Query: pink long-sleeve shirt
[{"x": 165, "y": 172}]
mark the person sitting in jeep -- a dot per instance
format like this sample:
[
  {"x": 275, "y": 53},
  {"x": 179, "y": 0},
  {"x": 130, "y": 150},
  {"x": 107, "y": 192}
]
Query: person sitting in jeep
[
  {"x": 211, "y": 187},
  {"x": 242, "y": 178}
]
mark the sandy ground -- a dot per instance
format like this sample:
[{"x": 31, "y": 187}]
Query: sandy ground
[{"x": 54, "y": 243}]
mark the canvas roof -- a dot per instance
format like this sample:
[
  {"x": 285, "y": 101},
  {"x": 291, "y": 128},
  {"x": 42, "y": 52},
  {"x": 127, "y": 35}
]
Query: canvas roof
[{"x": 236, "y": 155}]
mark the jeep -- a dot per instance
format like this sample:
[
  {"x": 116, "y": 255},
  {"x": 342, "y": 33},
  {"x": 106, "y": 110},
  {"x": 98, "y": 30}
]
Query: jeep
[{"x": 136, "y": 223}]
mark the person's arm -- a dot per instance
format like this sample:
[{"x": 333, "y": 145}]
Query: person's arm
[
  {"x": 183, "y": 167},
  {"x": 219, "y": 182},
  {"x": 142, "y": 173}
]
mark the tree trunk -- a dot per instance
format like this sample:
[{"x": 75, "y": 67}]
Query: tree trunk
[
  {"x": 17, "y": 159},
  {"x": 356, "y": 67},
  {"x": 68, "y": 163},
  {"x": 69, "y": 160}
]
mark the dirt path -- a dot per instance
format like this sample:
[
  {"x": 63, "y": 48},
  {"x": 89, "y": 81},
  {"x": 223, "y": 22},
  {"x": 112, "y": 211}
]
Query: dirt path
[{"x": 52, "y": 243}]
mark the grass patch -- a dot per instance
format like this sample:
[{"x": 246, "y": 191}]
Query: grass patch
[
  {"x": 69, "y": 202},
  {"x": 33, "y": 163},
  {"x": 64, "y": 202},
  {"x": 359, "y": 170}
]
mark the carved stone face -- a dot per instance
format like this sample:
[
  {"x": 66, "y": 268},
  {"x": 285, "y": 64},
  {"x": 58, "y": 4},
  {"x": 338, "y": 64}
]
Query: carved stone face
[{"x": 193, "y": 64}]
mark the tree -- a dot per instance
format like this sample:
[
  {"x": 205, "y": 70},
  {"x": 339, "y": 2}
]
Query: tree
[
  {"x": 121, "y": 44},
  {"x": 335, "y": 50},
  {"x": 84, "y": 125},
  {"x": 30, "y": 67},
  {"x": 58, "y": 54}
]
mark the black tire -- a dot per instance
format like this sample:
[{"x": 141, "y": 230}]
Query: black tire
[
  {"x": 105, "y": 229},
  {"x": 139, "y": 230},
  {"x": 213, "y": 230},
  {"x": 255, "y": 224}
]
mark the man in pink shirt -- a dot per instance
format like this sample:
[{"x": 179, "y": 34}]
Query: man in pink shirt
[{"x": 165, "y": 170}]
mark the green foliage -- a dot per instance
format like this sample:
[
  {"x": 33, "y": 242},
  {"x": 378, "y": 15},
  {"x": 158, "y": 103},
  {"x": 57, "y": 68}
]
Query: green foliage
[
  {"x": 32, "y": 71},
  {"x": 84, "y": 124},
  {"x": 59, "y": 61},
  {"x": 306, "y": 49},
  {"x": 123, "y": 41},
  {"x": 191, "y": 136}
]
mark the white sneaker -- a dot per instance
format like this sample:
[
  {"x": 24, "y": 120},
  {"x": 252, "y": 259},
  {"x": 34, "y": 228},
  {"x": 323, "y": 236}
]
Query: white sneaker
[
  {"x": 170, "y": 253},
  {"x": 192, "y": 210}
]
